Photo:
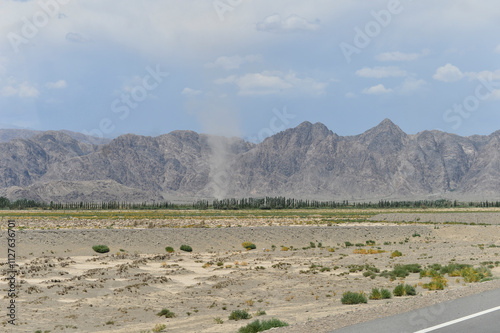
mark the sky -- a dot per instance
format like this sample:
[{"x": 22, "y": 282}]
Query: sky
[{"x": 249, "y": 68}]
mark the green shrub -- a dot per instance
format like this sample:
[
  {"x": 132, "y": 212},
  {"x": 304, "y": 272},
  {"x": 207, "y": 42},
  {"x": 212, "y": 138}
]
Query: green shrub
[
  {"x": 100, "y": 248},
  {"x": 471, "y": 274},
  {"x": 239, "y": 314},
  {"x": 260, "y": 326},
  {"x": 396, "y": 254},
  {"x": 167, "y": 313},
  {"x": 350, "y": 297},
  {"x": 386, "y": 294},
  {"x": 413, "y": 268},
  {"x": 260, "y": 312},
  {"x": 169, "y": 249},
  {"x": 370, "y": 242},
  {"x": 186, "y": 248},
  {"x": 249, "y": 245},
  {"x": 404, "y": 290},
  {"x": 376, "y": 294},
  {"x": 347, "y": 244}
]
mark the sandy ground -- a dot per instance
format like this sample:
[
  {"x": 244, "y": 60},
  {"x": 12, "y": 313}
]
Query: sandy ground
[{"x": 64, "y": 286}]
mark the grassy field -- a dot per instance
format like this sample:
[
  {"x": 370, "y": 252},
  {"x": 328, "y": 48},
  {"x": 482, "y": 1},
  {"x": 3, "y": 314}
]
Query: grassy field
[{"x": 339, "y": 215}]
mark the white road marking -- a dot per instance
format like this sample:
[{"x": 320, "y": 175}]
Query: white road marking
[{"x": 474, "y": 315}]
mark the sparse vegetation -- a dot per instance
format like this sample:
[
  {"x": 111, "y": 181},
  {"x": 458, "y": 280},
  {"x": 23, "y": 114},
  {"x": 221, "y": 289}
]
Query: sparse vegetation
[
  {"x": 159, "y": 328},
  {"x": 396, "y": 254},
  {"x": 404, "y": 290},
  {"x": 169, "y": 249},
  {"x": 249, "y": 245},
  {"x": 260, "y": 326},
  {"x": 350, "y": 297},
  {"x": 100, "y": 248},
  {"x": 380, "y": 294},
  {"x": 166, "y": 313},
  {"x": 239, "y": 315},
  {"x": 186, "y": 248}
]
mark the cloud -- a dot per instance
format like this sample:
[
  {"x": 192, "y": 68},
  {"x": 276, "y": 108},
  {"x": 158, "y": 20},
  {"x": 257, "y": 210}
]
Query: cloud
[
  {"x": 410, "y": 85},
  {"x": 380, "y": 72},
  {"x": 233, "y": 62},
  {"x": 274, "y": 82},
  {"x": 293, "y": 23},
  {"x": 448, "y": 73},
  {"x": 350, "y": 95},
  {"x": 76, "y": 37},
  {"x": 191, "y": 92},
  {"x": 400, "y": 56},
  {"x": 484, "y": 75},
  {"x": 23, "y": 90},
  {"x": 497, "y": 50},
  {"x": 377, "y": 90},
  {"x": 56, "y": 85}
]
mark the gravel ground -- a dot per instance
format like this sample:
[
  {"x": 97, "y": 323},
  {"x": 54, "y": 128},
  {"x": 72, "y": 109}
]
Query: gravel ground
[
  {"x": 123, "y": 290},
  {"x": 469, "y": 218}
]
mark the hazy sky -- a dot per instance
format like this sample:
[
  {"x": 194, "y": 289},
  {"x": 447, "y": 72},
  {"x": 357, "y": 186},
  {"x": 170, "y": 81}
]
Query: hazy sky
[{"x": 249, "y": 68}]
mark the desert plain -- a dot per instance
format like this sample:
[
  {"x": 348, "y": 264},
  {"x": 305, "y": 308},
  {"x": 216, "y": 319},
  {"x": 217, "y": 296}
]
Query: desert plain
[{"x": 302, "y": 265}]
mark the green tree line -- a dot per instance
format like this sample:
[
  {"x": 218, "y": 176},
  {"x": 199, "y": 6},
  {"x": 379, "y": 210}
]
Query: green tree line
[{"x": 243, "y": 203}]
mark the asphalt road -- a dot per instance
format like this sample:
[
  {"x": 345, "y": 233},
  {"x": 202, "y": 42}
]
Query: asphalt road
[{"x": 474, "y": 314}]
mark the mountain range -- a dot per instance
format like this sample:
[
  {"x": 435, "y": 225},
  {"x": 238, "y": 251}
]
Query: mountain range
[{"x": 308, "y": 161}]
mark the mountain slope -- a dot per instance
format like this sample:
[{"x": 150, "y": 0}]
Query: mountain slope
[{"x": 308, "y": 161}]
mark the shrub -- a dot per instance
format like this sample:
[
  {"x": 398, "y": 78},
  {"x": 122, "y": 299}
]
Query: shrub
[
  {"x": 396, "y": 254},
  {"x": 186, "y": 248},
  {"x": 249, "y": 245},
  {"x": 438, "y": 282},
  {"x": 370, "y": 242},
  {"x": 260, "y": 326},
  {"x": 169, "y": 249},
  {"x": 401, "y": 271},
  {"x": 471, "y": 274},
  {"x": 239, "y": 314},
  {"x": 260, "y": 312},
  {"x": 167, "y": 313},
  {"x": 404, "y": 290},
  {"x": 369, "y": 251},
  {"x": 100, "y": 248},
  {"x": 350, "y": 297},
  {"x": 159, "y": 327},
  {"x": 376, "y": 294},
  {"x": 347, "y": 244},
  {"x": 386, "y": 294}
]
